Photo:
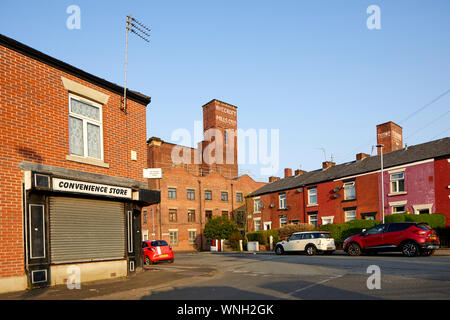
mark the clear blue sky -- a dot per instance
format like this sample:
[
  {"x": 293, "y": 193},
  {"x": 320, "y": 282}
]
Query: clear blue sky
[{"x": 309, "y": 68}]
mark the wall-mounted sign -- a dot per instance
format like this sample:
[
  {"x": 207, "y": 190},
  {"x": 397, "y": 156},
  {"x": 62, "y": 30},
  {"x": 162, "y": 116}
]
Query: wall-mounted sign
[
  {"x": 153, "y": 173},
  {"x": 90, "y": 188}
]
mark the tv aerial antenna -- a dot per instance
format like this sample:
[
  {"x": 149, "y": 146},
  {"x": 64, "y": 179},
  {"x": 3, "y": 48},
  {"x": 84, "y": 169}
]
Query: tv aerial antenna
[{"x": 143, "y": 32}]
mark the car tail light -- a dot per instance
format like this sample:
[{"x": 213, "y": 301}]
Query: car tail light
[{"x": 153, "y": 249}]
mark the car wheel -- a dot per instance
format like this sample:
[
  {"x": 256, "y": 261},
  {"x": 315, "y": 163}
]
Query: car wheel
[
  {"x": 171, "y": 260},
  {"x": 279, "y": 250},
  {"x": 410, "y": 249},
  {"x": 354, "y": 250},
  {"x": 147, "y": 261},
  {"x": 311, "y": 250},
  {"x": 426, "y": 253}
]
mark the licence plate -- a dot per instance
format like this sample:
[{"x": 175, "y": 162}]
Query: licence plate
[
  {"x": 164, "y": 256},
  {"x": 330, "y": 248}
]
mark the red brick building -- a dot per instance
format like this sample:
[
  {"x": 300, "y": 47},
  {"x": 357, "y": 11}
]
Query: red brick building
[
  {"x": 200, "y": 187},
  {"x": 72, "y": 185},
  {"x": 340, "y": 193}
]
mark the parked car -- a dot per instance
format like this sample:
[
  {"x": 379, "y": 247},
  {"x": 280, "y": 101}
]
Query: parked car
[
  {"x": 310, "y": 242},
  {"x": 411, "y": 238},
  {"x": 156, "y": 251}
]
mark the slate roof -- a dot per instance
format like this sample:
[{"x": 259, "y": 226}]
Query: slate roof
[{"x": 428, "y": 150}]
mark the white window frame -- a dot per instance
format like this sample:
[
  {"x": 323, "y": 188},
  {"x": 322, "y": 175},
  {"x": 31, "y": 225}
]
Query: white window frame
[
  {"x": 316, "y": 216},
  {"x": 418, "y": 207},
  {"x": 331, "y": 218},
  {"x": 192, "y": 241},
  {"x": 282, "y": 201},
  {"x": 87, "y": 120},
  {"x": 396, "y": 182},
  {"x": 269, "y": 224},
  {"x": 309, "y": 196},
  {"x": 346, "y": 187},
  {"x": 286, "y": 220},
  {"x": 257, "y": 221},
  {"x": 257, "y": 205},
  {"x": 398, "y": 206},
  {"x": 170, "y": 237},
  {"x": 347, "y": 216}
]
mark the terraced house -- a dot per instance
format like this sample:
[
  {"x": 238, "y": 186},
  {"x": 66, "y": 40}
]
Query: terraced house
[
  {"x": 415, "y": 180},
  {"x": 71, "y": 162}
]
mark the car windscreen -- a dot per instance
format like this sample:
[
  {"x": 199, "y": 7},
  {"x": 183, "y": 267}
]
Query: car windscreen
[{"x": 159, "y": 243}]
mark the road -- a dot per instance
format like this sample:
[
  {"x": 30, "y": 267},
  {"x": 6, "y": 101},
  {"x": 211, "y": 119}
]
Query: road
[
  {"x": 244, "y": 276},
  {"x": 292, "y": 277}
]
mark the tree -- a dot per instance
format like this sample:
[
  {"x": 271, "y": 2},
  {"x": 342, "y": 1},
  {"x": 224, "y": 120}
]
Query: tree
[{"x": 219, "y": 228}]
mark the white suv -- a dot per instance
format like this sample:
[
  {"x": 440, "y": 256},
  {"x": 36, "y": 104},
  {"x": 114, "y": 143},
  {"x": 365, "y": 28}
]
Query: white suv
[{"x": 310, "y": 242}]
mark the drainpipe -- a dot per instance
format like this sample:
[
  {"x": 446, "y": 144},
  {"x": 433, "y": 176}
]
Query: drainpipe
[{"x": 200, "y": 213}]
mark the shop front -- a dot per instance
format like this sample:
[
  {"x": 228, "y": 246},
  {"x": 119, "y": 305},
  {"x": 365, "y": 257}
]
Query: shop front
[{"x": 81, "y": 223}]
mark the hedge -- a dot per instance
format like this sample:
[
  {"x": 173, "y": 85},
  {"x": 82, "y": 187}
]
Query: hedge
[
  {"x": 344, "y": 230},
  {"x": 434, "y": 220},
  {"x": 263, "y": 236}
]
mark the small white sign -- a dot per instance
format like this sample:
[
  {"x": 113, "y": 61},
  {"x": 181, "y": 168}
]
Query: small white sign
[
  {"x": 90, "y": 188},
  {"x": 153, "y": 173}
]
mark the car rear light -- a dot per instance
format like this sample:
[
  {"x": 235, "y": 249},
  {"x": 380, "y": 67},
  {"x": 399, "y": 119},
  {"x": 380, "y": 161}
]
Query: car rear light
[{"x": 153, "y": 249}]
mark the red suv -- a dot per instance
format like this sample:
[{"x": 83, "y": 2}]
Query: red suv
[
  {"x": 411, "y": 238},
  {"x": 157, "y": 250}
]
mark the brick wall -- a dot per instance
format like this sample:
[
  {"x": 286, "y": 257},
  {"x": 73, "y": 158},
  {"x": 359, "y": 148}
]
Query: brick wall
[
  {"x": 34, "y": 127},
  {"x": 182, "y": 180}
]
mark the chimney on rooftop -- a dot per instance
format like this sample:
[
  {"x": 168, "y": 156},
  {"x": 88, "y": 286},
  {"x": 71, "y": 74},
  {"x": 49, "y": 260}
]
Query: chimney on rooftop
[
  {"x": 361, "y": 156},
  {"x": 328, "y": 164},
  {"x": 390, "y": 135},
  {"x": 299, "y": 172},
  {"x": 273, "y": 179},
  {"x": 287, "y": 172}
]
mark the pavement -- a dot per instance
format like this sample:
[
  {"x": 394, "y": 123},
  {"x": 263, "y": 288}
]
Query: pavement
[{"x": 228, "y": 273}]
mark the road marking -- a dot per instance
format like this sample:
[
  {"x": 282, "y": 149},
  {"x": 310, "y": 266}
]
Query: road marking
[{"x": 315, "y": 284}]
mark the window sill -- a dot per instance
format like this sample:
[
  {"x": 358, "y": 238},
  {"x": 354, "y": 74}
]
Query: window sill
[
  {"x": 312, "y": 205},
  {"x": 93, "y": 162},
  {"x": 397, "y": 194}
]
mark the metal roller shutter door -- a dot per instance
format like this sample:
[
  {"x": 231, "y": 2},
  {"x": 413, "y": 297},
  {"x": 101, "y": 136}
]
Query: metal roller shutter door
[{"x": 86, "y": 230}]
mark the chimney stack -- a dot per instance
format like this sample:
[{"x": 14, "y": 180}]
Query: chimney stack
[
  {"x": 299, "y": 172},
  {"x": 361, "y": 156},
  {"x": 390, "y": 135},
  {"x": 328, "y": 164},
  {"x": 287, "y": 172},
  {"x": 273, "y": 179}
]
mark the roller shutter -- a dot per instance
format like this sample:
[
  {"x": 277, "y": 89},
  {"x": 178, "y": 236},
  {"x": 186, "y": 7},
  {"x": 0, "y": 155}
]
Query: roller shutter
[{"x": 86, "y": 230}]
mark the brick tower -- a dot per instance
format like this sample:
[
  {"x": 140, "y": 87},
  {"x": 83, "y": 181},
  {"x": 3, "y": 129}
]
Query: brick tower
[
  {"x": 222, "y": 117},
  {"x": 390, "y": 135}
]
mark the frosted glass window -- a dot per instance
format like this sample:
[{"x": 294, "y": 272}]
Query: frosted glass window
[
  {"x": 76, "y": 136},
  {"x": 85, "y": 129}
]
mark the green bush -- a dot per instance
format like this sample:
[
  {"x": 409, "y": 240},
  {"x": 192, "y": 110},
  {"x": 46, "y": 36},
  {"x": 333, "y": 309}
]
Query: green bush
[
  {"x": 434, "y": 220},
  {"x": 287, "y": 230},
  {"x": 344, "y": 230},
  {"x": 234, "y": 240},
  {"x": 263, "y": 236},
  {"x": 220, "y": 228}
]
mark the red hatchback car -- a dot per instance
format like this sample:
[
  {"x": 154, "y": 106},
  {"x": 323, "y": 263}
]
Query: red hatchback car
[
  {"x": 156, "y": 251},
  {"x": 411, "y": 238}
]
